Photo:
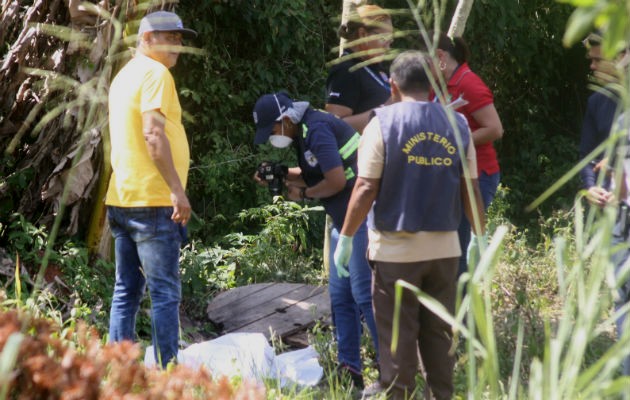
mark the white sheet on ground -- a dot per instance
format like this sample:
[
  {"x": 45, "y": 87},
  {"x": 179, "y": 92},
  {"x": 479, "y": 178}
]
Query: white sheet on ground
[{"x": 249, "y": 356}]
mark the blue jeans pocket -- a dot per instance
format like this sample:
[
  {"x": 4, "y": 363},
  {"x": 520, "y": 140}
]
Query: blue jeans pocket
[
  {"x": 142, "y": 224},
  {"x": 145, "y": 223},
  {"x": 150, "y": 222}
]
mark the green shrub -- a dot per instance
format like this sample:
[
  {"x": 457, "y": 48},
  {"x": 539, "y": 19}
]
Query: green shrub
[
  {"x": 251, "y": 48},
  {"x": 284, "y": 244}
]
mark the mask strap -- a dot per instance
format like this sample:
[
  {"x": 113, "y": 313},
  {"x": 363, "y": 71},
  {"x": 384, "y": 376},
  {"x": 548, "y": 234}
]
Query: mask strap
[{"x": 280, "y": 110}]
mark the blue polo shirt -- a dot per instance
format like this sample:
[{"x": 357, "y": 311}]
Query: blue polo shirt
[
  {"x": 598, "y": 118},
  {"x": 326, "y": 142}
]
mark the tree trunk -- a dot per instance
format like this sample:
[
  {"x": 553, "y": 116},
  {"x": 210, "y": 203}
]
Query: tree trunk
[
  {"x": 347, "y": 8},
  {"x": 458, "y": 23}
]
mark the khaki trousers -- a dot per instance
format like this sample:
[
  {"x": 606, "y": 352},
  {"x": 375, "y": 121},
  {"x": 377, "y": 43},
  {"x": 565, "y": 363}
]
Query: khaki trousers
[{"x": 419, "y": 329}]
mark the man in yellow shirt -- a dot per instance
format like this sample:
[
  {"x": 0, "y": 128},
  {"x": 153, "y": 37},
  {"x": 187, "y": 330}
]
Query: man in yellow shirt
[{"x": 147, "y": 204}]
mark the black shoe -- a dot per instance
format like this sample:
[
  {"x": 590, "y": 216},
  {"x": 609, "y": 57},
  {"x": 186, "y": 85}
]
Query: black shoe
[{"x": 355, "y": 376}]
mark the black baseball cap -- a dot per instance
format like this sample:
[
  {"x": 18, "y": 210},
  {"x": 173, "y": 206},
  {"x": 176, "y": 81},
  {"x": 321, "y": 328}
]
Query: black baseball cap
[{"x": 268, "y": 110}]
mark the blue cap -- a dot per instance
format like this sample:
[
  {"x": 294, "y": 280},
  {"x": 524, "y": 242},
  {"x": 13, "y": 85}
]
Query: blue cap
[
  {"x": 164, "y": 21},
  {"x": 268, "y": 110}
]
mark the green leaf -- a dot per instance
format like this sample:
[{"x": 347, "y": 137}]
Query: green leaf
[
  {"x": 8, "y": 357},
  {"x": 579, "y": 25}
]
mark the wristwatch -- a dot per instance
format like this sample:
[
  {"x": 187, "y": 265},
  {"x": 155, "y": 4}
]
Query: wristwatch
[{"x": 303, "y": 194}]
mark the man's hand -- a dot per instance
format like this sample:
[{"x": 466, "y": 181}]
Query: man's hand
[
  {"x": 259, "y": 180},
  {"x": 159, "y": 150},
  {"x": 342, "y": 255},
  {"x": 599, "y": 196},
  {"x": 181, "y": 208},
  {"x": 294, "y": 192}
]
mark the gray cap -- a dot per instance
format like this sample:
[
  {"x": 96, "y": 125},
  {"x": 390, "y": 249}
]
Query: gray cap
[{"x": 164, "y": 21}]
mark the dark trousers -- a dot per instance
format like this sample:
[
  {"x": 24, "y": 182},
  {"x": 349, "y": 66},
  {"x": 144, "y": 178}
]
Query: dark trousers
[
  {"x": 419, "y": 328},
  {"x": 620, "y": 258}
]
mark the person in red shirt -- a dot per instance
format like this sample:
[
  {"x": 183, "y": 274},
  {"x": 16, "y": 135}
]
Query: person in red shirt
[{"x": 484, "y": 122}]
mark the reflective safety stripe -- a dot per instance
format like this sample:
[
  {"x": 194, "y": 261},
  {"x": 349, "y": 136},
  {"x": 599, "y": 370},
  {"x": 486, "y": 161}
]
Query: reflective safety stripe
[
  {"x": 345, "y": 152},
  {"x": 349, "y": 173},
  {"x": 350, "y": 147}
]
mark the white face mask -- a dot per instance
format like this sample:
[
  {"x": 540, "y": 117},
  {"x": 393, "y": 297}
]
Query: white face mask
[{"x": 280, "y": 141}]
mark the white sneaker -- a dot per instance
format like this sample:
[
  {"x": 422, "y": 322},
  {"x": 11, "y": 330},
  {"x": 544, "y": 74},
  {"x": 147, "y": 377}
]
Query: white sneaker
[{"x": 373, "y": 391}]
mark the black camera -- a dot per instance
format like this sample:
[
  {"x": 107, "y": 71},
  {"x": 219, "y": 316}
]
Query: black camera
[{"x": 274, "y": 174}]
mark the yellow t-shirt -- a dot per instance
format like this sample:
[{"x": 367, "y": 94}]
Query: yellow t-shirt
[{"x": 143, "y": 85}]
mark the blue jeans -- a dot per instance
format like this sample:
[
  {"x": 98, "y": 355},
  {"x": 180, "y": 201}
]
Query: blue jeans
[
  {"x": 488, "y": 185},
  {"x": 147, "y": 245},
  {"x": 623, "y": 289},
  {"x": 350, "y": 298}
]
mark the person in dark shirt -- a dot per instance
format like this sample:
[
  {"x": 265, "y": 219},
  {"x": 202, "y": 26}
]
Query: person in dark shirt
[
  {"x": 600, "y": 113},
  {"x": 353, "y": 93},
  {"x": 621, "y": 238},
  {"x": 326, "y": 149}
]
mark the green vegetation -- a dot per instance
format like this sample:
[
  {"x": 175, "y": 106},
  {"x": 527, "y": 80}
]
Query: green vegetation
[
  {"x": 249, "y": 48},
  {"x": 527, "y": 303}
]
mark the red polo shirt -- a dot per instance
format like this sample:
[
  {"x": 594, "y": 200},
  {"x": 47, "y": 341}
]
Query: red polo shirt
[{"x": 466, "y": 83}]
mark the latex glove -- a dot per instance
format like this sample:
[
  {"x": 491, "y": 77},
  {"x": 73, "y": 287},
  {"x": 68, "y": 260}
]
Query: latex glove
[
  {"x": 473, "y": 254},
  {"x": 343, "y": 251}
]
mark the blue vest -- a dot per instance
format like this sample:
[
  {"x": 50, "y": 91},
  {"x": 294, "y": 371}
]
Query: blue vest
[
  {"x": 347, "y": 144},
  {"x": 420, "y": 186}
]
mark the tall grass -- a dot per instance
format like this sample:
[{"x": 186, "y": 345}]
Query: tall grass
[
  {"x": 577, "y": 356},
  {"x": 536, "y": 323}
]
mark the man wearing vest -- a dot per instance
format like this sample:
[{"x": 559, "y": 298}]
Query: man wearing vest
[
  {"x": 412, "y": 184},
  {"x": 327, "y": 161}
]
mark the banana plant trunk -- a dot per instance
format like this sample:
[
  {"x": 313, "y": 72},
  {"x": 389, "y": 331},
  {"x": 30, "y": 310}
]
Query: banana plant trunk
[{"x": 56, "y": 61}]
